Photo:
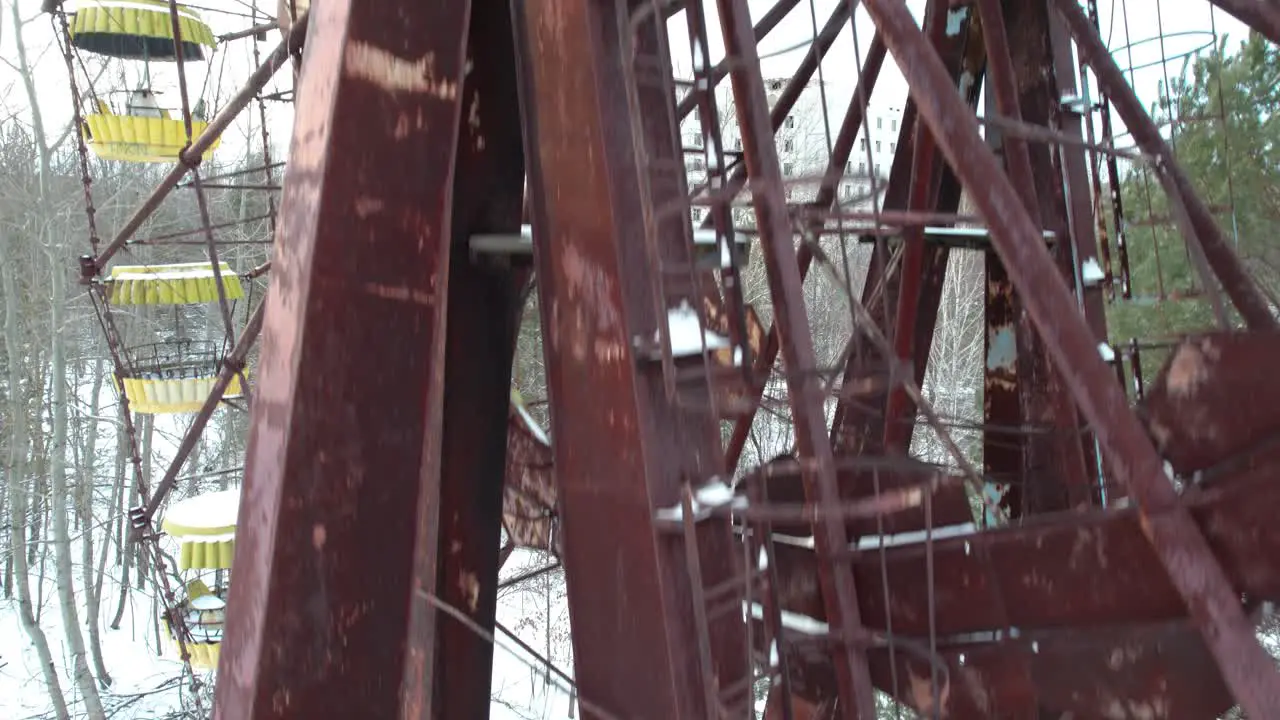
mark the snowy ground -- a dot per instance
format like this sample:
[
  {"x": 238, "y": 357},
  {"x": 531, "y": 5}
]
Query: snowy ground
[{"x": 146, "y": 682}]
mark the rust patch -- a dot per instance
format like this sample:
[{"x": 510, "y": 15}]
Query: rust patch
[
  {"x": 1189, "y": 368},
  {"x": 920, "y": 695},
  {"x": 470, "y": 588},
  {"x": 1088, "y": 540}
]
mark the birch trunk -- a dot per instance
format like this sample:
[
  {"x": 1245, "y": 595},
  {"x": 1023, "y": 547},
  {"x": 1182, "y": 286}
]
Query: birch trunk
[
  {"x": 60, "y": 498},
  {"x": 18, "y": 488},
  {"x": 88, "y": 477}
]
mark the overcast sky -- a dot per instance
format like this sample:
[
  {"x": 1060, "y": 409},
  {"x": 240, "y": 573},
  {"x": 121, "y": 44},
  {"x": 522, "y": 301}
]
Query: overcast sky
[{"x": 1186, "y": 24}]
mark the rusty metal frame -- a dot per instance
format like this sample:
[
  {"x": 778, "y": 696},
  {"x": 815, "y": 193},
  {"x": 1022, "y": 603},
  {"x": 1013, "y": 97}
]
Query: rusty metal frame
[
  {"x": 859, "y": 430},
  {"x": 841, "y": 150},
  {"x": 460, "y": 509},
  {"x": 813, "y": 447},
  {"x": 623, "y": 448},
  {"x": 1177, "y": 542},
  {"x": 345, "y": 421}
]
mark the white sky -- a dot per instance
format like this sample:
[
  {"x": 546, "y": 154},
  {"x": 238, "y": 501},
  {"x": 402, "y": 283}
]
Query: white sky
[{"x": 1186, "y": 25}]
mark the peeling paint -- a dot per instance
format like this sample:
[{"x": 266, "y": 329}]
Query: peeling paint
[
  {"x": 1190, "y": 368},
  {"x": 404, "y": 294},
  {"x": 366, "y": 206},
  {"x": 1002, "y": 348},
  {"x": 955, "y": 20},
  {"x": 382, "y": 69},
  {"x": 470, "y": 588},
  {"x": 921, "y": 695}
]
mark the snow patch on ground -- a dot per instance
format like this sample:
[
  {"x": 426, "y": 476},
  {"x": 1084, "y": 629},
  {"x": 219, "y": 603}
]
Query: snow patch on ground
[{"x": 146, "y": 675}]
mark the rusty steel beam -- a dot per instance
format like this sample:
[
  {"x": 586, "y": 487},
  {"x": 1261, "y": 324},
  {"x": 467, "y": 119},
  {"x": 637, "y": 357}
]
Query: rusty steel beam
[
  {"x": 1069, "y": 569},
  {"x": 1178, "y": 543},
  {"x": 191, "y": 156},
  {"x": 623, "y": 448},
  {"x": 1160, "y": 670},
  {"x": 1062, "y": 465},
  {"x": 857, "y": 430},
  {"x": 804, "y": 387},
  {"x": 1261, "y": 15},
  {"x": 797, "y": 83},
  {"x": 841, "y": 151},
  {"x": 1046, "y": 467},
  {"x": 1242, "y": 401},
  {"x": 460, "y": 508},
  {"x": 922, "y": 269},
  {"x": 1239, "y": 286},
  {"x": 347, "y": 416}
]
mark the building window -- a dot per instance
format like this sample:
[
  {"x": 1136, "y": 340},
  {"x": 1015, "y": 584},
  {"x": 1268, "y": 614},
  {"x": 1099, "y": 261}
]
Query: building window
[
  {"x": 877, "y": 169},
  {"x": 893, "y": 147},
  {"x": 877, "y": 146},
  {"x": 775, "y": 85},
  {"x": 879, "y": 123},
  {"x": 791, "y": 121},
  {"x": 697, "y": 163},
  {"x": 864, "y": 143},
  {"x": 895, "y": 124},
  {"x": 789, "y": 145},
  {"x": 786, "y": 168},
  {"x": 737, "y": 143},
  {"x": 862, "y": 168},
  {"x": 848, "y": 168}
]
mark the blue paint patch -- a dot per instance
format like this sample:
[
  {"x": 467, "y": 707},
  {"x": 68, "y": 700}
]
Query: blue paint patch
[
  {"x": 955, "y": 20},
  {"x": 992, "y": 493},
  {"x": 1002, "y": 348}
]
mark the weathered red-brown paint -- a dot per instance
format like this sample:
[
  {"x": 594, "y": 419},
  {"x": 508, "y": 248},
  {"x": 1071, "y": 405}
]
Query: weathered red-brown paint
[{"x": 350, "y": 376}]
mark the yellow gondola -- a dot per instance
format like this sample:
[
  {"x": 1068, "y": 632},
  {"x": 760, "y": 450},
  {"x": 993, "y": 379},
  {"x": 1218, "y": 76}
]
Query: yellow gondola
[
  {"x": 175, "y": 376},
  {"x": 173, "y": 284},
  {"x": 138, "y": 30},
  {"x": 151, "y": 137},
  {"x": 203, "y": 612},
  {"x": 205, "y": 528},
  {"x": 161, "y": 396}
]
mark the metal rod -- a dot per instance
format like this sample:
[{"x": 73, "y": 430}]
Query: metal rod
[
  {"x": 762, "y": 30},
  {"x": 827, "y": 191},
  {"x": 231, "y": 366},
  {"x": 191, "y": 156},
  {"x": 813, "y": 446},
  {"x": 249, "y": 32},
  {"x": 1175, "y": 538}
]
